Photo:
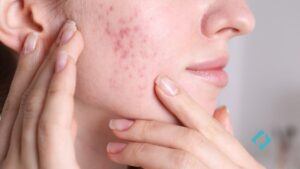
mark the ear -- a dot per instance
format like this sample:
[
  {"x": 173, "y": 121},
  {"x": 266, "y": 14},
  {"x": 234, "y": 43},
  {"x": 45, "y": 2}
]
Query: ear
[{"x": 20, "y": 17}]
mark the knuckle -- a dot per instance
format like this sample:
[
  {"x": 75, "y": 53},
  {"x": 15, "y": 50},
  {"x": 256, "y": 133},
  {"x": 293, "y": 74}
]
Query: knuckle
[
  {"x": 145, "y": 129},
  {"x": 139, "y": 148},
  {"x": 58, "y": 89},
  {"x": 211, "y": 129},
  {"x": 44, "y": 132},
  {"x": 182, "y": 160},
  {"x": 195, "y": 138},
  {"x": 29, "y": 105},
  {"x": 54, "y": 90},
  {"x": 138, "y": 151},
  {"x": 189, "y": 134}
]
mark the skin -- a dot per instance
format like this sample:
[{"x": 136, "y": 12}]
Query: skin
[{"x": 132, "y": 42}]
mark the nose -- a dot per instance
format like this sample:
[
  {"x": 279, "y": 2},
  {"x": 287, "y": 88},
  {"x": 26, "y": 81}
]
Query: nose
[{"x": 228, "y": 19}]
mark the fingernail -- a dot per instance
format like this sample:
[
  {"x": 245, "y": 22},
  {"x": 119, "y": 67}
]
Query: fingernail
[
  {"x": 228, "y": 125},
  {"x": 30, "y": 42},
  {"x": 61, "y": 61},
  {"x": 115, "y": 147},
  {"x": 167, "y": 85},
  {"x": 226, "y": 110},
  {"x": 120, "y": 124},
  {"x": 67, "y": 32},
  {"x": 222, "y": 109}
]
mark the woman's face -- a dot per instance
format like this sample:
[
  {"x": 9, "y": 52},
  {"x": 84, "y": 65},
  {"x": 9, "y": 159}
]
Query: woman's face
[{"x": 129, "y": 42}]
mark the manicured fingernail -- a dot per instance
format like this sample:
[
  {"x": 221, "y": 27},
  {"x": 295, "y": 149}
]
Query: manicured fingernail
[
  {"x": 167, "y": 85},
  {"x": 67, "y": 32},
  {"x": 115, "y": 147},
  {"x": 62, "y": 59},
  {"x": 30, "y": 42},
  {"x": 120, "y": 124}
]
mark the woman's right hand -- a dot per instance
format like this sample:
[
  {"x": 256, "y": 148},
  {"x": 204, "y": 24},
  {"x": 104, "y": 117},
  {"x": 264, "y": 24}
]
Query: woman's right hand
[{"x": 37, "y": 128}]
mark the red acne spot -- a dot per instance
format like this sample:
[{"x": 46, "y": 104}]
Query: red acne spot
[
  {"x": 118, "y": 45},
  {"x": 124, "y": 32},
  {"x": 109, "y": 10},
  {"x": 125, "y": 54}
]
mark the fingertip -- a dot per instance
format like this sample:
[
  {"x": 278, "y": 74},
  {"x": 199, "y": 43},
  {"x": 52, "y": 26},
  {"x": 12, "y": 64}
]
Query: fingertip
[
  {"x": 75, "y": 46},
  {"x": 30, "y": 43},
  {"x": 62, "y": 59},
  {"x": 222, "y": 115}
]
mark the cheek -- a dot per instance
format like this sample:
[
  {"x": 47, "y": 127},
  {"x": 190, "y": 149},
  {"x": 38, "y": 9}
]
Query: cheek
[{"x": 134, "y": 56}]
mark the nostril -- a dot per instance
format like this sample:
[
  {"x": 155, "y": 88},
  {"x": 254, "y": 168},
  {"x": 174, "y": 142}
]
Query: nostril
[
  {"x": 229, "y": 29},
  {"x": 228, "y": 32}
]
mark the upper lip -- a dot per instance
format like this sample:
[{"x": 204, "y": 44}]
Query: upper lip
[{"x": 212, "y": 64}]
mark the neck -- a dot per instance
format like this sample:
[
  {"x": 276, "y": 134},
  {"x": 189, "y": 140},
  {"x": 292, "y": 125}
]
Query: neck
[{"x": 92, "y": 137}]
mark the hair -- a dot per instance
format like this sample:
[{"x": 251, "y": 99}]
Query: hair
[{"x": 8, "y": 65}]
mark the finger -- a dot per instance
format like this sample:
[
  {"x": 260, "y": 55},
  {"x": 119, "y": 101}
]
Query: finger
[
  {"x": 152, "y": 156},
  {"x": 55, "y": 125},
  {"x": 31, "y": 105},
  {"x": 178, "y": 102},
  {"x": 29, "y": 60},
  {"x": 222, "y": 116},
  {"x": 192, "y": 115},
  {"x": 173, "y": 136},
  {"x": 35, "y": 99}
]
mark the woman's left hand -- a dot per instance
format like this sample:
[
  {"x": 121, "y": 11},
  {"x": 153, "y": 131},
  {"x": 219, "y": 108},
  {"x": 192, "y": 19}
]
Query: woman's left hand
[{"x": 202, "y": 143}]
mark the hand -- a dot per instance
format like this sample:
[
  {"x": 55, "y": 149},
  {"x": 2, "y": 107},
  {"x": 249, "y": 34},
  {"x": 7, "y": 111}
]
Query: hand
[
  {"x": 201, "y": 143},
  {"x": 37, "y": 129}
]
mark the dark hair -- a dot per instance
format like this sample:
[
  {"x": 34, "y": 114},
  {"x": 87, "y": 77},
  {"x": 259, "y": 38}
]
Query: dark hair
[
  {"x": 130, "y": 167},
  {"x": 8, "y": 64}
]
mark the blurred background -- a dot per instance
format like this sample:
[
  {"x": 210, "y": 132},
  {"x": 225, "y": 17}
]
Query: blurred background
[{"x": 264, "y": 89}]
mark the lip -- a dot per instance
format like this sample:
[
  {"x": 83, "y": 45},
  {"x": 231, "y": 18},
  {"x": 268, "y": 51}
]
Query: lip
[{"x": 211, "y": 71}]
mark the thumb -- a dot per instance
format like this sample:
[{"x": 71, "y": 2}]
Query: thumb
[{"x": 221, "y": 114}]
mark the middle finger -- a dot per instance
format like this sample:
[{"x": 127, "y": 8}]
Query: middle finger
[{"x": 170, "y": 135}]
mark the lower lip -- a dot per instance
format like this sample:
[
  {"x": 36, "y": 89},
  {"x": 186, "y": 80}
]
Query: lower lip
[{"x": 217, "y": 77}]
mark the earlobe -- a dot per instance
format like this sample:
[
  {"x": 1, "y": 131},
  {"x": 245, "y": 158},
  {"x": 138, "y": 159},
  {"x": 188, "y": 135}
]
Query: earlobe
[{"x": 16, "y": 21}]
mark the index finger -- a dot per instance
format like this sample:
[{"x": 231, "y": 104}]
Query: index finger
[{"x": 192, "y": 115}]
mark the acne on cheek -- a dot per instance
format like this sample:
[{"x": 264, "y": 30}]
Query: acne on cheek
[{"x": 134, "y": 54}]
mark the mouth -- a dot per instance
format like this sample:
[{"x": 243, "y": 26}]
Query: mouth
[{"x": 211, "y": 71}]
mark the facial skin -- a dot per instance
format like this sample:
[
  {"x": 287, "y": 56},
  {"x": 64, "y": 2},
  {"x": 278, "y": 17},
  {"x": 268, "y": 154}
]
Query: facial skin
[{"x": 127, "y": 44}]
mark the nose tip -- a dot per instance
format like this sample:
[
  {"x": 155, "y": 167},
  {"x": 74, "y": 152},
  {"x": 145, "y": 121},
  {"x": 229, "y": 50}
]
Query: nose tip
[
  {"x": 244, "y": 23},
  {"x": 228, "y": 21}
]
